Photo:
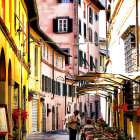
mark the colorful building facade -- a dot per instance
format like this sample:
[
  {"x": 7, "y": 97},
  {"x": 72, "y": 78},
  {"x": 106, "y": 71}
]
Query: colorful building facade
[
  {"x": 124, "y": 55},
  {"x": 68, "y": 30}
]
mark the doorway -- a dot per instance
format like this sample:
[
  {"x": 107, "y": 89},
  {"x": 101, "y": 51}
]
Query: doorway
[{"x": 53, "y": 118}]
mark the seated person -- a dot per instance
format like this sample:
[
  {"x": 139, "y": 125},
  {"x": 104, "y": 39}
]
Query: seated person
[{"x": 88, "y": 130}]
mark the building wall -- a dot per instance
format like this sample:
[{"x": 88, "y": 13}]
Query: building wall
[
  {"x": 122, "y": 17},
  {"x": 51, "y": 10},
  {"x": 14, "y": 71}
]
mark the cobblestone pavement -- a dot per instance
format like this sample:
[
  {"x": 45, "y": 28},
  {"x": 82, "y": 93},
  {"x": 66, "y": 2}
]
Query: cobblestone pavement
[{"x": 53, "y": 135}]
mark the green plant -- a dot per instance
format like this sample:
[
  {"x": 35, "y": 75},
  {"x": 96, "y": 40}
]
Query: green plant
[
  {"x": 92, "y": 114},
  {"x": 120, "y": 136}
]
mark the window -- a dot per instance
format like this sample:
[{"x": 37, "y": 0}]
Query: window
[
  {"x": 96, "y": 16},
  {"x": 81, "y": 58},
  {"x": 96, "y": 38},
  {"x": 129, "y": 48},
  {"x": 62, "y": 25},
  {"x": 48, "y": 84},
  {"x": 36, "y": 61},
  {"x": 96, "y": 64},
  {"x": 63, "y": 1},
  {"x": 85, "y": 60},
  {"x": 79, "y": 26},
  {"x": 101, "y": 60},
  {"x": 56, "y": 60},
  {"x": 91, "y": 63},
  {"x": 61, "y": 62},
  {"x": 43, "y": 83},
  {"x": 43, "y": 51},
  {"x": 79, "y": 2},
  {"x": 64, "y": 89},
  {"x": 85, "y": 29},
  {"x": 70, "y": 90},
  {"x": 90, "y": 16},
  {"x": 90, "y": 108},
  {"x": 90, "y": 35},
  {"x": 67, "y": 59},
  {"x": 47, "y": 52}
]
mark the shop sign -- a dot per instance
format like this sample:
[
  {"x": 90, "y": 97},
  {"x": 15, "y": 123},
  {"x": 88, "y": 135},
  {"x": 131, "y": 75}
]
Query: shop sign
[{"x": 138, "y": 111}]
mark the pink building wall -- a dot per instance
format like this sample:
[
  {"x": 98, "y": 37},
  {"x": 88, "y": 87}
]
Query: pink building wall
[{"x": 52, "y": 9}]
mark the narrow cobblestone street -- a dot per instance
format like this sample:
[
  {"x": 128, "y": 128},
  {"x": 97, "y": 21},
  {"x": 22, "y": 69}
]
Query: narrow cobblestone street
[{"x": 53, "y": 135}]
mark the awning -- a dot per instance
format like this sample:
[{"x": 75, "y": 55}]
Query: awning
[{"x": 103, "y": 84}]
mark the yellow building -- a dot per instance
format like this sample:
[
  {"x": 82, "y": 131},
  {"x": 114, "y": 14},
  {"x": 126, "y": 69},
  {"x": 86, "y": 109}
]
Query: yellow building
[
  {"x": 14, "y": 68},
  {"x": 124, "y": 55}
]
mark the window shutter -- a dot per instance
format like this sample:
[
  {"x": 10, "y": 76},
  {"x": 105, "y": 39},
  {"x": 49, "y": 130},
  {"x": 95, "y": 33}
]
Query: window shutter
[
  {"x": 55, "y": 25},
  {"x": 80, "y": 27},
  {"x": 85, "y": 30},
  {"x": 43, "y": 89},
  {"x": 70, "y": 25},
  {"x": 46, "y": 83},
  {"x": 59, "y": 1}
]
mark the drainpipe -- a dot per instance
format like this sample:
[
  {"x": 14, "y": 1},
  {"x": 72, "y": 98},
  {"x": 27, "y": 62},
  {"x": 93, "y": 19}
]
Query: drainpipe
[
  {"x": 106, "y": 29},
  {"x": 53, "y": 74},
  {"x": 137, "y": 33},
  {"x": 65, "y": 97}
]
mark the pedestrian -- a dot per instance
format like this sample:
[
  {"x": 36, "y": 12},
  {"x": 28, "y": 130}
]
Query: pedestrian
[
  {"x": 66, "y": 120},
  {"x": 88, "y": 129},
  {"x": 72, "y": 124}
]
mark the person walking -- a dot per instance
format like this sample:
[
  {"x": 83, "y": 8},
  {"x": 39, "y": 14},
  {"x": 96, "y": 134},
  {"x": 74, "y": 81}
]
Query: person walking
[
  {"x": 66, "y": 120},
  {"x": 72, "y": 124}
]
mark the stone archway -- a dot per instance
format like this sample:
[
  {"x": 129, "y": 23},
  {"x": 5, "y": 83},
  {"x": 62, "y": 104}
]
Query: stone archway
[{"x": 2, "y": 78}]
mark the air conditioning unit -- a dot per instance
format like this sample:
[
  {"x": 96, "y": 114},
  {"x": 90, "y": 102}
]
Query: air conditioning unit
[{"x": 19, "y": 54}]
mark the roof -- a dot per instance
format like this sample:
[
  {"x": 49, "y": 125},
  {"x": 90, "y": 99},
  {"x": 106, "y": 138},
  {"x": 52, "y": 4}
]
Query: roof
[
  {"x": 127, "y": 31},
  {"x": 103, "y": 84},
  {"x": 98, "y": 4},
  {"x": 34, "y": 23}
]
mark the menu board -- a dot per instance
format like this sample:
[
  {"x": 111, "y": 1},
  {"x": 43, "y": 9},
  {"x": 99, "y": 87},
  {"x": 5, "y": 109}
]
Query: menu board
[{"x": 3, "y": 120}]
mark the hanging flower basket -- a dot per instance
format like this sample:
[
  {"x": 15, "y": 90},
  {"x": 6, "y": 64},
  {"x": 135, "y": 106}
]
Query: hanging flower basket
[
  {"x": 23, "y": 114},
  {"x": 16, "y": 114}
]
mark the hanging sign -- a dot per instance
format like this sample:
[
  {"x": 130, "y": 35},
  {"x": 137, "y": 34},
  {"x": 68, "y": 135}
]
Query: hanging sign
[
  {"x": 138, "y": 111},
  {"x": 4, "y": 123},
  {"x": 124, "y": 107}
]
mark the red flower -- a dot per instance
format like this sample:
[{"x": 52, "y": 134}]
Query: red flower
[
  {"x": 115, "y": 108},
  {"x": 16, "y": 114},
  {"x": 138, "y": 111},
  {"x": 124, "y": 107},
  {"x": 23, "y": 114}
]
